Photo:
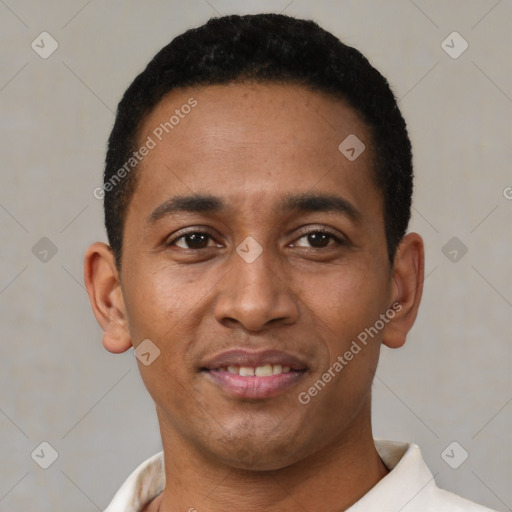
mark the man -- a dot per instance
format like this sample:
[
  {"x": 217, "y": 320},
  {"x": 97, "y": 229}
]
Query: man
[{"x": 257, "y": 194}]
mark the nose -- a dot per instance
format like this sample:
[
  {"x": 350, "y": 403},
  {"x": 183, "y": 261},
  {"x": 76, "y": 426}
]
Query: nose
[{"x": 255, "y": 296}]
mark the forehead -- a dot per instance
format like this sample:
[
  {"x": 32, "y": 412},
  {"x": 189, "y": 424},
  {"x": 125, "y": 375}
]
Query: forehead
[
  {"x": 254, "y": 112},
  {"x": 254, "y": 144}
]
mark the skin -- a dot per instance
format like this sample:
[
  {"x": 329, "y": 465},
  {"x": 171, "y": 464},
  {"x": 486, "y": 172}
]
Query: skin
[{"x": 250, "y": 145}]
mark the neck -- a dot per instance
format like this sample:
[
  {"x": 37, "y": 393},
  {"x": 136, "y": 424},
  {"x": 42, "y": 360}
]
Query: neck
[{"x": 332, "y": 479}]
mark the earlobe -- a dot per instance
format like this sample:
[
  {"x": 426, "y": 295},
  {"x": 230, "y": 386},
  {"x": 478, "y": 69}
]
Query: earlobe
[
  {"x": 103, "y": 286},
  {"x": 116, "y": 339},
  {"x": 407, "y": 289}
]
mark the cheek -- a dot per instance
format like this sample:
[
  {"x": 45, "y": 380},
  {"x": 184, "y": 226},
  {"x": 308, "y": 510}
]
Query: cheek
[
  {"x": 347, "y": 304},
  {"x": 157, "y": 299},
  {"x": 166, "y": 305},
  {"x": 160, "y": 307},
  {"x": 347, "y": 299}
]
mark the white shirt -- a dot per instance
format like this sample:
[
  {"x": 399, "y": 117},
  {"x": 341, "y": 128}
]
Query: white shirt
[{"x": 408, "y": 487}]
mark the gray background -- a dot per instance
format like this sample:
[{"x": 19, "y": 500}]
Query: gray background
[{"x": 452, "y": 380}]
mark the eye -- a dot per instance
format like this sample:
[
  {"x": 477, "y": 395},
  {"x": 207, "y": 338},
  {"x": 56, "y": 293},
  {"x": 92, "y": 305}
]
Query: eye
[
  {"x": 193, "y": 240},
  {"x": 319, "y": 239}
]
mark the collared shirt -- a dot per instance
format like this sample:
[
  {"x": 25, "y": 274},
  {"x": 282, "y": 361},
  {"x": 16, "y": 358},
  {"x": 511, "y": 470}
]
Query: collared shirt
[{"x": 408, "y": 487}]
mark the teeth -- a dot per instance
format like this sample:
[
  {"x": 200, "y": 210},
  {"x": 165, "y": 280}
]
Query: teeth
[
  {"x": 263, "y": 371},
  {"x": 245, "y": 371},
  {"x": 277, "y": 369},
  {"x": 266, "y": 370}
]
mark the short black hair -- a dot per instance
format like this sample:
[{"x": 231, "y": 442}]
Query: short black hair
[{"x": 265, "y": 48}]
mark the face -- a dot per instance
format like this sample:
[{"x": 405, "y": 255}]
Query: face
[{"x": 254, "y": 255}]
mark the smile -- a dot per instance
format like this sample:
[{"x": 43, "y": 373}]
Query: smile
[{"x": 254, "y": 375}]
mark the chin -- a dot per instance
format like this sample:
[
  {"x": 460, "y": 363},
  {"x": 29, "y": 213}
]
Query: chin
[
  {"x": 253, "y": 452},
  {"x": 256, "y": 460}
]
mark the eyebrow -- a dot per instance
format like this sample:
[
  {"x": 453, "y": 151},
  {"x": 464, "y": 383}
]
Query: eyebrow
[
  {"x": 303, "y": 203},
  {"x": 309, "y": 202},
  {"x": 196, "y": 203}
]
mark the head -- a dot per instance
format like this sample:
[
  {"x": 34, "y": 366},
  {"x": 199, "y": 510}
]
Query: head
[{"x": 262, "y": 225}]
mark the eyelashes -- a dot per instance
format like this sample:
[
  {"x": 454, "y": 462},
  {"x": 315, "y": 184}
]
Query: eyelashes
[{"x": 199, "y": 239}]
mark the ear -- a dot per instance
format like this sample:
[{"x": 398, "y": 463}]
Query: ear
[
  {"x": 407, "y": 288},
  {"x": 104, "y": 288}
]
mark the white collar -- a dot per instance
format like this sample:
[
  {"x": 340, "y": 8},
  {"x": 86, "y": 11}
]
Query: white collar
[{"x": 408, "y": 487}]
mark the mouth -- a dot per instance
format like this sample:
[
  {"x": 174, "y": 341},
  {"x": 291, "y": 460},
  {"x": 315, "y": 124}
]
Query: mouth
[{"x": 254, "y": 375}]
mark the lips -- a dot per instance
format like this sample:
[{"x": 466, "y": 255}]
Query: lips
[{"x": 254, "y": 375}]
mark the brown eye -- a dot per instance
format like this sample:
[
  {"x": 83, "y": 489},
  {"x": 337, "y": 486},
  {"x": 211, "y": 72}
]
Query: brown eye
[
  {"x": 319, "y": 239},
  {"x": 193, "y": 240}
]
